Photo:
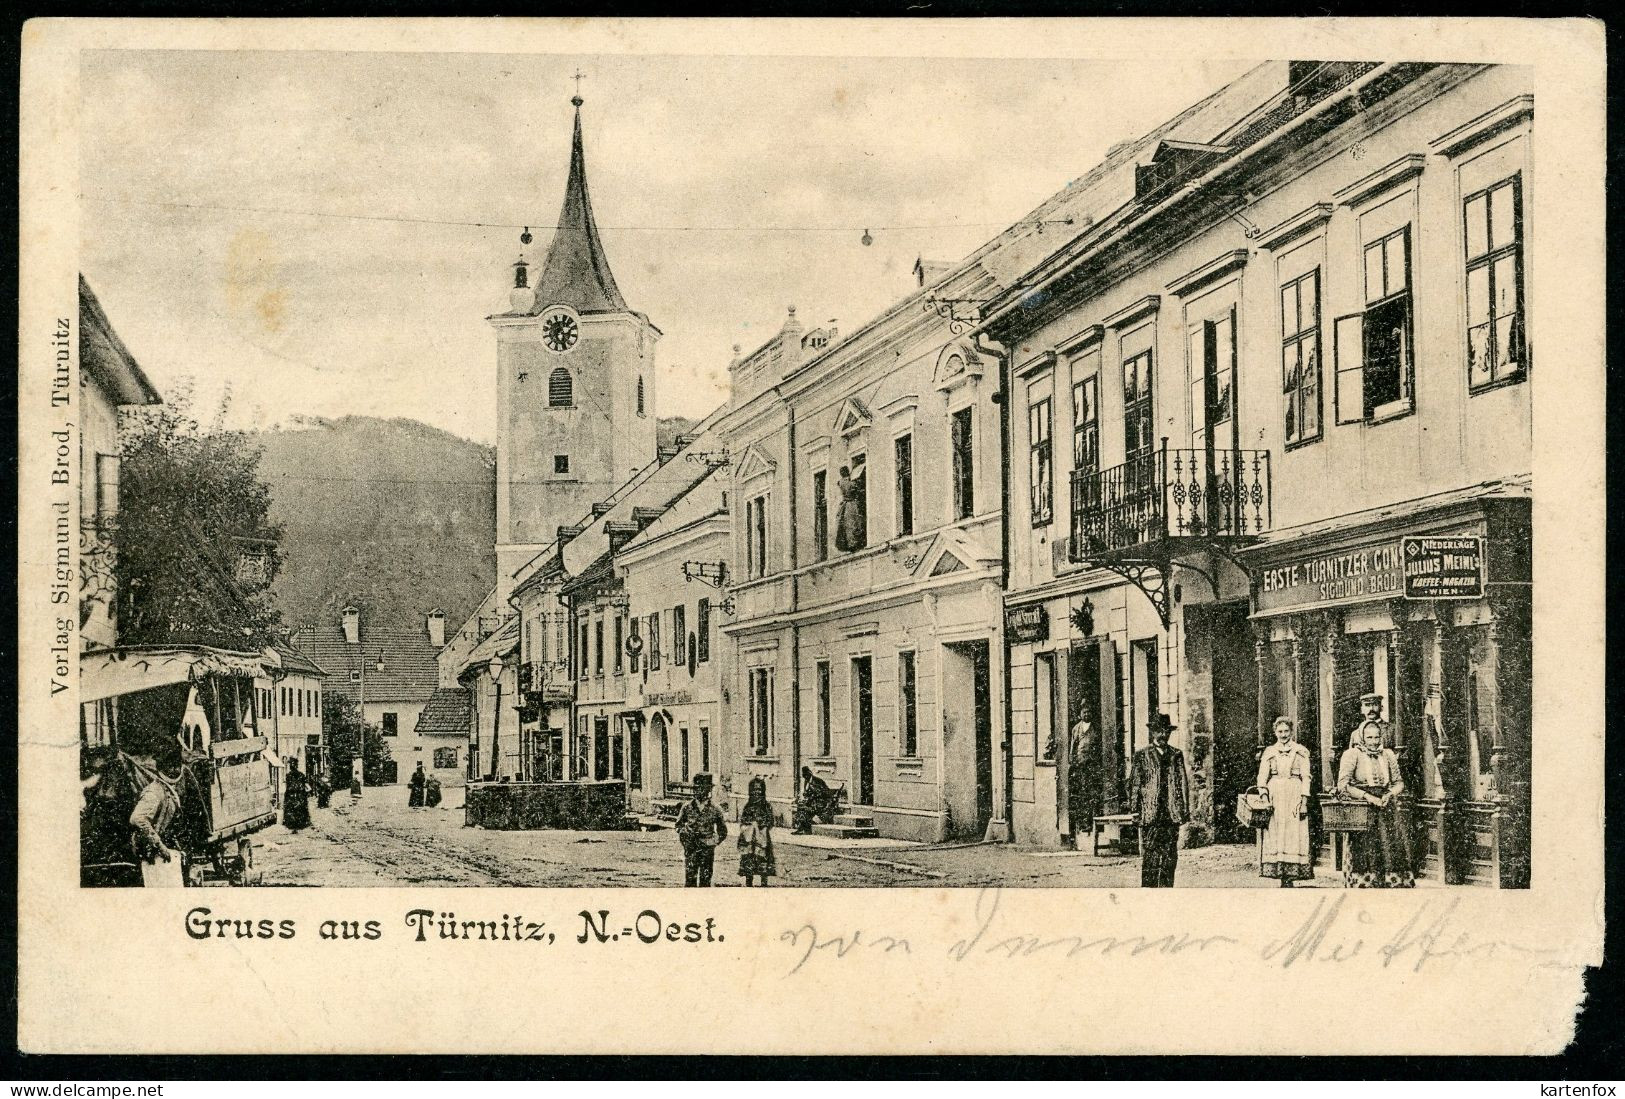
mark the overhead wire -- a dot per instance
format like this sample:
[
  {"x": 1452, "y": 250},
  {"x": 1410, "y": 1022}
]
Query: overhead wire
[{"x": 491, "y": 224}]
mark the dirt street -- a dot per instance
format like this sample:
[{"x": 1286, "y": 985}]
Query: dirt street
[{"x": 379, "y": 841}]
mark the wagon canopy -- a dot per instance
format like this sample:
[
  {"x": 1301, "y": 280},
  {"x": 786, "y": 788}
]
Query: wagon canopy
[{"x": 107, "y": 673}]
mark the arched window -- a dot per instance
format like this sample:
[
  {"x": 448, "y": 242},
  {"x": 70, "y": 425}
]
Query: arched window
[
  {"x": 560, "y": 390},
  {"x": 640, "y": 395}
]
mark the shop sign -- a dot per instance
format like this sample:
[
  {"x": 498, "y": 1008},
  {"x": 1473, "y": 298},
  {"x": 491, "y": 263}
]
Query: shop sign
[
  {"x": 1024, "y": 624},
  {"x": 668, "y": 698},
  {"x": 1331, "y": 579},
  {"x": 1444, "y": 568}
]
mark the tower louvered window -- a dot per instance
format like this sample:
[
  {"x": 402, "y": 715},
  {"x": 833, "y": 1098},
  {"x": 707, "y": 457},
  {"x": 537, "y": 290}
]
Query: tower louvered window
[
  {"x": 640, "y": 396},
  {"x": 560, "y": 389}
]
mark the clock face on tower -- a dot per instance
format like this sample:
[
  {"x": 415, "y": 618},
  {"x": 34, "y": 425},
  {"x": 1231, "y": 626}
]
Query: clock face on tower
[{"x": 560, "y": 329}]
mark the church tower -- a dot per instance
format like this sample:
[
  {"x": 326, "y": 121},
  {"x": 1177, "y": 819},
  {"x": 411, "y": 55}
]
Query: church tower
[{"x": 576, "y": 384}]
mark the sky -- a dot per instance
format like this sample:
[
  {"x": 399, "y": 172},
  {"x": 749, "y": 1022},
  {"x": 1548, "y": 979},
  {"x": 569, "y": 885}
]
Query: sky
[{"x": 325, "y": 233}]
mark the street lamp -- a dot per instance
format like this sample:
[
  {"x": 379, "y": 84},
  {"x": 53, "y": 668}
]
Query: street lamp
[{"x": 495, "y": 667}]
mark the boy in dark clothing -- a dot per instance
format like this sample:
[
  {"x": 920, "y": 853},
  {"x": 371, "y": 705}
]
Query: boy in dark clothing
[{"x": 700, "y": 828}]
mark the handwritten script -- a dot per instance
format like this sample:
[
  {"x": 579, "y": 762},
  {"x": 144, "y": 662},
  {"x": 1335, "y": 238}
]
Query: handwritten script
[{"x": 1336, "y": 930}]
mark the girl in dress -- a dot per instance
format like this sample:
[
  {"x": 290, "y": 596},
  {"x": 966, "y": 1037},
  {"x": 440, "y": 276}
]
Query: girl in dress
[
  {"x": 756, "y": 834},
  {"x": 1379, "y": 857},
  {"x": 1283, "y": 844}
]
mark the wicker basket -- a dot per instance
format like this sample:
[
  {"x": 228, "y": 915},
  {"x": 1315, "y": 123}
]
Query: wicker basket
[
  {"x": 1253, "y": 809},
  {"x": 1337, "y": 815}
]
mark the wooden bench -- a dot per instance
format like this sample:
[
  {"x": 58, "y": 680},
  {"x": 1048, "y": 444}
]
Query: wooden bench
[{"x": 1125, "y": 825}]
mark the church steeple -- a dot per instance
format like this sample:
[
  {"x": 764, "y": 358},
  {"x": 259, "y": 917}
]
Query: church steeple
[
  {"x": 577, "y": 386},
  {"x": 576, "y": 272}
]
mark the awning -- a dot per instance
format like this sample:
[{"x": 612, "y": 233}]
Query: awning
[{"x": 107, "y": 673}]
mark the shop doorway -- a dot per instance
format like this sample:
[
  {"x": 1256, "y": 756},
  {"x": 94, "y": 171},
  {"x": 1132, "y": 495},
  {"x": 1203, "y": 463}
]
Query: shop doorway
[
  {"x": 967, "y": 735},
  {"x": 634, "y": 761},
  {"x": 600, "y": 748},
  {"x": 658, "y": 724},
  {"x": 863, "y": 712},
  {"x": 1235, "y": 717}
]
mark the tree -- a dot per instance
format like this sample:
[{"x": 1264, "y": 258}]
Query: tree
[
  {"x": 345, "y": 730},
  {"x": 197, "y": 551}
]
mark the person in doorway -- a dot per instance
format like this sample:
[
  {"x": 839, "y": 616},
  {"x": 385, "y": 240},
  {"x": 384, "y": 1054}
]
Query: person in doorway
[
  {"x": 154, "y": 820},
  {"x": 1283, "y": 844},
  {"x": 817, "y": 803},
  {"x": 1370, "y": 714},
  {"x": 431, "y": 792},
  {"x": 1379, "y": 857},
  {"x": 1083, "y": 774},
  {"x": 414, "y": 798},
  {"x": 1159, "y": 799},
  {"x": 700, "y": 828},
  {"x": 756, "y": 834},
  {"x": 851, "y": 519},
  {"x": 295, "y": 798}
]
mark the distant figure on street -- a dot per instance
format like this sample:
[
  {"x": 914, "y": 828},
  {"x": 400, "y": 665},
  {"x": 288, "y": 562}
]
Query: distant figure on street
[
  {"x": 431, "y": 792},
  {"x": 1283, "y": 845},
  {"x": 1159, "y": 798},
  {"x": 756, "y": 834},
  {"x": 296, "y": 798},
  {"x": 1083, "y": 773},
  {"x": 851, "y": 518},
  {"x": 700, "y": 828},
  {"x": 817, "y": 803},
  {"x": 324, "y": 790},
  {"x": 414, "y": 799},
  {"x": 355, "y": 788}
]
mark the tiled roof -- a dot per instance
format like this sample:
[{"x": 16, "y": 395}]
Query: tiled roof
[
  {"x": 504, "y": 641},
  {"x": 409, "y": 673},
  {"x": 447, "y": 711},
  {"x": 298, "y": 663},
  {"x": 105, "y": 358}
]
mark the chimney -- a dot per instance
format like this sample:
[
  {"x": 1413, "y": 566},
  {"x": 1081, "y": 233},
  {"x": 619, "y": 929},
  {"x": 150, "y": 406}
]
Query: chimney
[
  {"x": 352, "y": 626},
  {"x": 437, "y": 629},
  {"x": 929, "y": 270}
]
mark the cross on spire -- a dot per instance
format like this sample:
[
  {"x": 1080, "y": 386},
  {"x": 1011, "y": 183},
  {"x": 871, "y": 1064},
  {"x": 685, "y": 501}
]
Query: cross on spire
[{"x": 576, "y": 99}]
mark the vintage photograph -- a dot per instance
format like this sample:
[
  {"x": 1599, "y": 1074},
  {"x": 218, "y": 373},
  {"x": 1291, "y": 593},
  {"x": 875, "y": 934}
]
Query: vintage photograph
[{"x": 584, "y": 471}]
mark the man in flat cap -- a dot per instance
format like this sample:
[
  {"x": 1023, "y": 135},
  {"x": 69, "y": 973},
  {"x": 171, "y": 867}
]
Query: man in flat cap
[
  {"x": 1159, "y": 798},
  {"x": 1370, "y": 714}
]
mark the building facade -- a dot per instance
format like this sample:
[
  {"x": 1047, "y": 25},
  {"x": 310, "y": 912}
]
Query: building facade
[
  {"x": 109, "y": 379},
  {"x": 1292, "y": 367},
  {"x": 388, "y": 671},
  {"x": 672, "y": 574},
  {"x": 866, "y": 567}
]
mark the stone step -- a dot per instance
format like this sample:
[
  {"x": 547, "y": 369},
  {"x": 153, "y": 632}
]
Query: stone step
[
  {"x": 855, "y": 820},
  {"x": 845, "y": 831}
]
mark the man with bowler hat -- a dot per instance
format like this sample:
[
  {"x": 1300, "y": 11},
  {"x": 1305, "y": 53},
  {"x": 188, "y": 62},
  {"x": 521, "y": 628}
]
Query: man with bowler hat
[{"x": 1159, "y": 798}]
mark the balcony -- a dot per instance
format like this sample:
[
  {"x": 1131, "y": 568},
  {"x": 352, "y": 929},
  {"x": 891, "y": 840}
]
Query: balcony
[
  {"x": 1167, "y": 502},
  {"x": 1138, "y": 518}
]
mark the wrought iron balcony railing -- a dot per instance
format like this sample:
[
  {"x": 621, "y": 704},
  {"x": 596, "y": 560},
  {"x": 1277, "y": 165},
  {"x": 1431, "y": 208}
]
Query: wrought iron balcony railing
[{"x": 1149, "y": 502}]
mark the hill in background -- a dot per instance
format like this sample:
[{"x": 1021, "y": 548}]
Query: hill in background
[{"x": 394, "y": 516}]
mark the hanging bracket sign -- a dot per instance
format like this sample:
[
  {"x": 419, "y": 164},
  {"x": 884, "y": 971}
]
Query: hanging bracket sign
[{"x": 1443, "y": 567}]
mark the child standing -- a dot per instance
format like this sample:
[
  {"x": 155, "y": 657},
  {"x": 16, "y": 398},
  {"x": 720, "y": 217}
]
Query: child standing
[
  {"x": 700, "y": 828},
  {"x": 756, "y": 834}
]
